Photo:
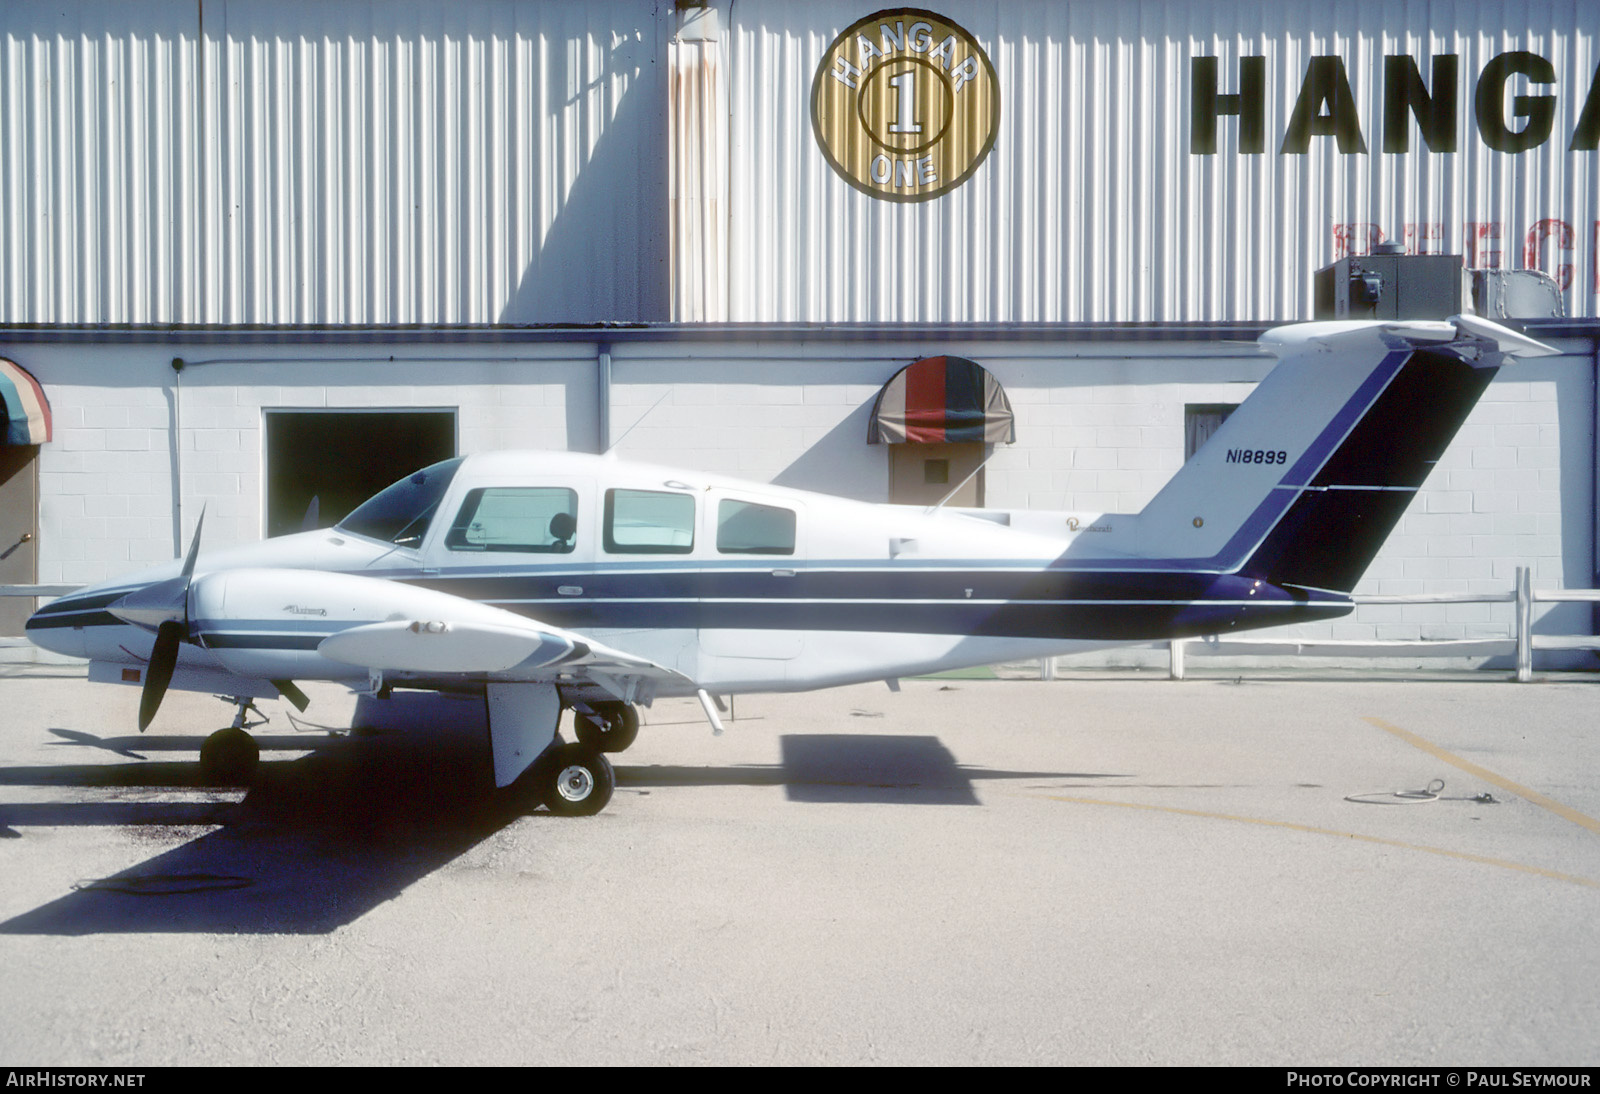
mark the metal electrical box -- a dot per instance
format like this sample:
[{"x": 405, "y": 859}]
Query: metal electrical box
[{"x": 1394, "y": 286}]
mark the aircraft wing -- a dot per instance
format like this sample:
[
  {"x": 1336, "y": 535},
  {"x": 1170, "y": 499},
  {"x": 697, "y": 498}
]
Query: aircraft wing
[
  {"x": 513, "y": 647},
  {"x": 434, "y": 634},
  {"x": 389, "y": 627}
]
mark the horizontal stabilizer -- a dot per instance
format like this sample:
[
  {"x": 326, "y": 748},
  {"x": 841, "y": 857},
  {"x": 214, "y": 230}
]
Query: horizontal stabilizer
[{"x": 1509, "y": 341}]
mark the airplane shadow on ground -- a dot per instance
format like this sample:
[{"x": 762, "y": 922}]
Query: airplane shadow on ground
[{"x": 320, "y": 840}]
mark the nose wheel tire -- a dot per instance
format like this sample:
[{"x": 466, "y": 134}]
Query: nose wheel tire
[
  {"x": 611, "y": 728},
  {"x": 578, "y": 780},
  {"x": 229, "y": 757}
]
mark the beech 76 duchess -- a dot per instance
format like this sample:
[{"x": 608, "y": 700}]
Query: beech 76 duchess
[{"x": 547, "y": 581}]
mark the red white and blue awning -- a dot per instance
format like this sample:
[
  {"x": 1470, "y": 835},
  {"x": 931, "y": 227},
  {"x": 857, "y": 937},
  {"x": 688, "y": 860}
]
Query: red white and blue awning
[
  {"x": 942, "y": 400},
  {"x": 27, "y": 413}
]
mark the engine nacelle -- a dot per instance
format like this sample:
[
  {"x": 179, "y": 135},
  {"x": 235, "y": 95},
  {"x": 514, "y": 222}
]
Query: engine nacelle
[{"x": 271, "y": 623}]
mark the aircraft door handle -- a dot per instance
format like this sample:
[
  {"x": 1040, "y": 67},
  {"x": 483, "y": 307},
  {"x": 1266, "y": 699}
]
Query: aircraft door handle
[{"x": 783, "y": 573}]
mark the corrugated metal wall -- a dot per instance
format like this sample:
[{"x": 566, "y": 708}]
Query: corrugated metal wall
[
  {"x": 487, "y": 161},
  {"x": 270, "y": 161},
  {"x": 1093, "y": 205}
]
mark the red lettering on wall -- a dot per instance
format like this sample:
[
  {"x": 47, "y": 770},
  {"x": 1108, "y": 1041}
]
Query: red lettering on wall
[
  {"x": 1534, "y": 247},
  {"x": 1550, "y": 244},
  {"x": 1359, "y": 238},
  {"x": 1483, "y": 244}
]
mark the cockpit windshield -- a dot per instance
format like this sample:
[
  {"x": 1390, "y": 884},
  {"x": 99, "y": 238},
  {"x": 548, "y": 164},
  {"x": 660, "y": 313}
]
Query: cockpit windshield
[{"x": 400, "y": 514}]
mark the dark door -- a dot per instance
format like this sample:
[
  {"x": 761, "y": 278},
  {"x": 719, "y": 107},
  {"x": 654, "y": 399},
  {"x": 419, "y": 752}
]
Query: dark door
[
  {"x": 922, "y": 474},
  {"x": 19, "y": 532}
]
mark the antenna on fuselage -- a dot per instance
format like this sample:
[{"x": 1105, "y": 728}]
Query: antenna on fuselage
[{"x": 613, "y": 445}]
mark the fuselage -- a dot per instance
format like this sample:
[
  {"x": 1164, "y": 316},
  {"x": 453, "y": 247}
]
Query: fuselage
[{"x": 736, "y": 586}]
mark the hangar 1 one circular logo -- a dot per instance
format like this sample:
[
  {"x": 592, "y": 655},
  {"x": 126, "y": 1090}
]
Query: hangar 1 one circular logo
[{"x": 905, "y": 105}]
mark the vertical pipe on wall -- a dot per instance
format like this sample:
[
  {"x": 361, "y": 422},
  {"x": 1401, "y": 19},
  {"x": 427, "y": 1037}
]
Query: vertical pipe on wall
[
  {"x": 1594, "y": 470},
  {"x": 176, "y": 441},
  {"x": 603, "y": 397}
]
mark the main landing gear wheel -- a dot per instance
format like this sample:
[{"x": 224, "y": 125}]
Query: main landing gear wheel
[
  {"x": 577, "y": 780},
  {"x": 229, "y": 757},
  {"x": 611, "y": 728}
]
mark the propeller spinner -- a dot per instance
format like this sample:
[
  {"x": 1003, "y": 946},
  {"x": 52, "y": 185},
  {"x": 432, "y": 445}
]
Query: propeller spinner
[{"x": 163, "y": 606}]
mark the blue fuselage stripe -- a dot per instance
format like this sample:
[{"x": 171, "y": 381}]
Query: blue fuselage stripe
[{"x": 1015, "y": 602}]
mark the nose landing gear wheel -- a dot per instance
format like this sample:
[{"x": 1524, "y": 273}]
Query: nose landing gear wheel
[
  {"x": 611, "y": 728},
  {"x": 229, "y": 757},
  {"x": 578, "y": 780}
]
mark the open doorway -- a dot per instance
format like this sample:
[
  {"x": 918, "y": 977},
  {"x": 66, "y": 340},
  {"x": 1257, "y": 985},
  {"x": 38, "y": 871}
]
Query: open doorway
[{"x": 343, "y": 457}]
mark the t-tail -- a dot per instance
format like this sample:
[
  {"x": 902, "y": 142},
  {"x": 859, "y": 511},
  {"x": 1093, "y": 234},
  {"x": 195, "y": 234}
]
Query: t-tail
[{"x": 1302, "y": 484}]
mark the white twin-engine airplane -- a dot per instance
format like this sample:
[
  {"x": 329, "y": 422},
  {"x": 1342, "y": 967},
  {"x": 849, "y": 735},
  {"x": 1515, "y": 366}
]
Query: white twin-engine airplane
[{"x": 547, "y": 580}]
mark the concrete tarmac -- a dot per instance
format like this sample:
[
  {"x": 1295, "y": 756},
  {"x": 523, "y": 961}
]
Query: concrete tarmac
[{"x": 1110, "y": 868}]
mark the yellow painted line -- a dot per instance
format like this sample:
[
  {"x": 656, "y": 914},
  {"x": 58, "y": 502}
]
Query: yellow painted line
[
  {"x": 1505, "y": 864},
  {"x": 1488, "y": 776}
]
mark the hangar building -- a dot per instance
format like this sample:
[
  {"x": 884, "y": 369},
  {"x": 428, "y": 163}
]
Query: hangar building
[{"x": 254, "y": 252}]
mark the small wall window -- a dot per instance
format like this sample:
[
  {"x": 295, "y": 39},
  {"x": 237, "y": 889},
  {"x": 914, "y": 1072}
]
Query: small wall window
[
  {"x": 516, "y": 518},
  {"x": 745, "y": 528},
  {"x": 649, "y": 522},
  {"x": 1200, "y": 420}
]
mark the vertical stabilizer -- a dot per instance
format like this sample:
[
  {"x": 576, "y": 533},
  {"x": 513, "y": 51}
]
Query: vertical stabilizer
[{"x": 1303, "y": 483}]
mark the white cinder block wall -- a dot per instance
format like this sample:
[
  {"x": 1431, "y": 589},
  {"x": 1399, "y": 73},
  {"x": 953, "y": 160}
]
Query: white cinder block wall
[
  {"x": 1100, "y": 427},
  {"x": 107, "y": 503}
]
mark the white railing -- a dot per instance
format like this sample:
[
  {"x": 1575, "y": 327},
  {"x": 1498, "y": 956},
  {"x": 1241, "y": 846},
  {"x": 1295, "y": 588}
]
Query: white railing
[{"x": 1522, "y": 643}]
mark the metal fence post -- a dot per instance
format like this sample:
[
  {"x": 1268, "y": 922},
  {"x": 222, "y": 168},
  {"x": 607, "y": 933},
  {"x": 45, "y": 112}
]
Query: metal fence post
[{"x": 1524, "y": 624}]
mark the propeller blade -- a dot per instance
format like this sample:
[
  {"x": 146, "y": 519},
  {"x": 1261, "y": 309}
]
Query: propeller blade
[
  {"x": 158, "y": 674},
  {"x": 164, "y": 606},
  {"x": 194, "y": 547},
  {"x": 165, "y": 600}
]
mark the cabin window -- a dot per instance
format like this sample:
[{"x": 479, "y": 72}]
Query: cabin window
[
  {"x": 649, "y": 522},
  {"x": 516, "y": 518},
  {"x": 401, "y": 514},
  {"x": 745, "y": 528}
]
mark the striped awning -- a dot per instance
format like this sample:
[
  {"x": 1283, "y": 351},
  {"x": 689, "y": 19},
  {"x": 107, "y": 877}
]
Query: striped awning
[
  {"x": 27, "y": 413},
  {"x": 942, "y": 400}
]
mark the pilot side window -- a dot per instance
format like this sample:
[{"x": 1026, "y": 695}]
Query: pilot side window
[
  {"x": 745, "y": 528},
  {"x": 649, "y": 522},
  {"x": 516, "y": 518}
]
